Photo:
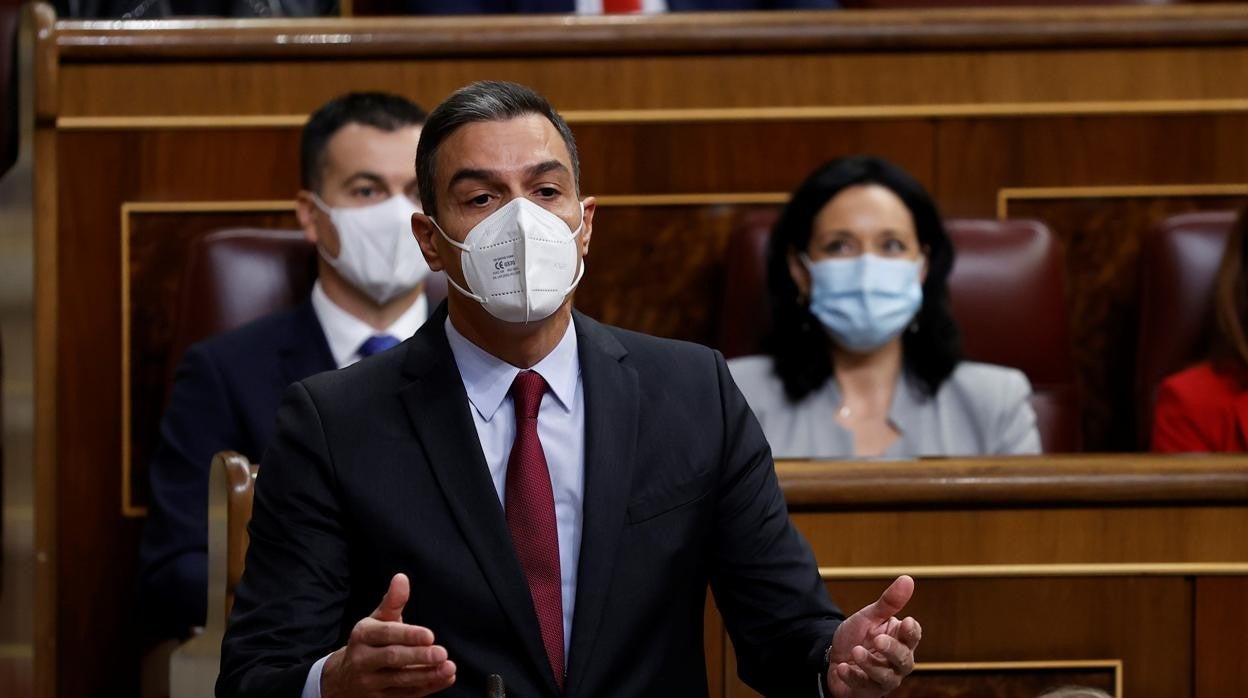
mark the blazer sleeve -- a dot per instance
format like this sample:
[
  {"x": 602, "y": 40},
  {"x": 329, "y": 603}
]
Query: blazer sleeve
[
  {"x": 173, "y": 552},
  {"x": 289, "y": 607},
  {"x": 1016, "y": 421},
  {"x": 763, "y": 575},
  {"x": 1175, "y": 428}
]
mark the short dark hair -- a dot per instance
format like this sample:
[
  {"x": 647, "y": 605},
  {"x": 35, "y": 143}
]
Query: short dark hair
[
  {"x": 489, "y": 100},
  {"x": 799, "y": 345},
  {"x": 387, "y": 112}
]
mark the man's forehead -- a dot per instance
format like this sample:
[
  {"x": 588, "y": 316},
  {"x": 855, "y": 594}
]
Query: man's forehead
[
  {"x": 358, "y": 145},
  {"x": 513, "y": 146}
]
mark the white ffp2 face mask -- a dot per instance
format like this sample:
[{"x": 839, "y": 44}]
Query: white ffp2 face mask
[
  {"x": 520, "y": 262},
  {"x": 377, "y": 252}
]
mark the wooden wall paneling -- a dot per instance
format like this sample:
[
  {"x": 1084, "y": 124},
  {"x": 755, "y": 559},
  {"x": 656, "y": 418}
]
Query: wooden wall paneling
[
  {"x": 659, "y": 267},
  {"x": 16, "y": 673},
  {"x": 1075, "y": 619},
  {"x": 1068, "y": 618},
  {"x": 679, "y": 33},
  {"x": 1098, "y": 535},
  {"x": 979, "y": 157},
  {"x": 97, "y": 173},
  {"x": 737, "y": 105},
  {"x": 1101, "y": 235},
  {"x": 37, "y": 79},
  {"x": 715, "y": 645},
  {"x": 157, "y": 252},
  {"x": 1102, "y": 238},
  {"x": 1221, "y": 618},
  {"x": 96, "y": 547},
  {"x": 1064, "y": 568},
  {"x": 1006, "y": 679},
  {"x": 739, "y": 156},
  {"x": 1036, "y": 78}
]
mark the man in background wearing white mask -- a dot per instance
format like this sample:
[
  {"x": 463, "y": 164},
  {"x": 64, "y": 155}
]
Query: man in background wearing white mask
[
  {"x": 537, "y": 500},
  {"x": 357, "y": 199}
]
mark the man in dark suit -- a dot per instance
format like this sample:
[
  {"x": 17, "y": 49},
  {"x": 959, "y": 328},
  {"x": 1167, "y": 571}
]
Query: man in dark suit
[
  {"x": 530, "y": 494},
  {"x": 359, "y": 192}
]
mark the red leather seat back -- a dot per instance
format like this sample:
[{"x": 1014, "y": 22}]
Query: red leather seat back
[
  {"x": 1178, "y": 264},
  {"x": 1007, "y": 293},
  {"x": 237, "y": 275}
]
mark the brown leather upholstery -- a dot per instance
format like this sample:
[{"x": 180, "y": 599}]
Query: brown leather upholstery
[
  {"x": 1005, "y": 271},
  {"x": 236, "y": 275},
  {"x": 1178, "y": 262}
]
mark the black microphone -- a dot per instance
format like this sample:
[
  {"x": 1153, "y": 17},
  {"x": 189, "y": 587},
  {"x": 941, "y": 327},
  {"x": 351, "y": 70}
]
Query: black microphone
[{"x": 494, "y": 687}]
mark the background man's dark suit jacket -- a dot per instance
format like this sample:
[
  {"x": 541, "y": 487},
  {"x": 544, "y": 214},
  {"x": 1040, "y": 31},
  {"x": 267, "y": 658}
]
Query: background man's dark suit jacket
[
  {"x": 376, "y": 469},
  {"x": 225, "y": 396}
]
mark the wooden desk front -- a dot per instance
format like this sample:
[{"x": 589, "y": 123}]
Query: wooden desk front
[
  {"x": 149, "y": 134},
  {"x": 1128, "y": 574}
]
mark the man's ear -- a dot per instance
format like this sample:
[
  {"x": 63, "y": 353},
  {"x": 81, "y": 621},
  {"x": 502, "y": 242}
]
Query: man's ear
[
  {"x": 307, "y": 212},
  {"x": 587, "y": 231},
  {"x": 424, "y": 232}
]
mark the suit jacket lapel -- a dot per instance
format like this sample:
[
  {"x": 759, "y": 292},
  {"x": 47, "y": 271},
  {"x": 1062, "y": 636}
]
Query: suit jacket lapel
[
  {"x": 305, "y": 351},
  {"x": 438, "y": 407},
  {"x": 611, "y": 410}
]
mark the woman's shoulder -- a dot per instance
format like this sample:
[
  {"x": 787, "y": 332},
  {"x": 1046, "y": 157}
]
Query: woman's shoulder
[
  {"x": 985, "y": 390},
  {"x": 995, "y": 400},
  {"x": 757, "y": 379},
  {"x": 1198, "y": 385},
  {"x": 988, "y": 379}
]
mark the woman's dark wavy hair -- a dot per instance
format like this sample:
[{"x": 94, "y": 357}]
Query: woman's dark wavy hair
[
  {"x": 1230, "y": 305},
  {"x": 798, "y": 344}
]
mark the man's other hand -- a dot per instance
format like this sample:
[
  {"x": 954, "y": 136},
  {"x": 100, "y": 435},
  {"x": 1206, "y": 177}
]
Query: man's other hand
[
  {"x": 384, "y": 653},
  {"x": 872, "y": 651}
]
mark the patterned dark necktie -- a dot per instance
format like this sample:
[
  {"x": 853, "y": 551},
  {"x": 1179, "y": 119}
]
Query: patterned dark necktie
[{"x": 531, "y": 517}]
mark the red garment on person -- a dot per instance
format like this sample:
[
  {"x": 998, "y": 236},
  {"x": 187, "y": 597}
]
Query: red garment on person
[
  {"x": 1201, "y": 409},
  {"x": 610, "y": 7}
]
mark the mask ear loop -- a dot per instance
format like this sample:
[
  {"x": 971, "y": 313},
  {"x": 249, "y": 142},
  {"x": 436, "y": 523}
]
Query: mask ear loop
[
  {"x": 329, "y": 212},
  {"x": 580, "y": 274},
  {"x": 325, "y": 208},
  {"x": 577, "y": 233},
  {"x": 465, "y": 248}
]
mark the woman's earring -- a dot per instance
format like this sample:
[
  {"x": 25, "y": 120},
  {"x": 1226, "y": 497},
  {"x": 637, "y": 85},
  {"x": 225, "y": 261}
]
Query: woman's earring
[{"x": 914, "y": 326}]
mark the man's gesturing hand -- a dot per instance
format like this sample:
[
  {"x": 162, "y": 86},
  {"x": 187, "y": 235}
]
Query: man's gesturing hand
[
  {"x": 872, "y": 650},
  {"x": 384, "y": 653}
]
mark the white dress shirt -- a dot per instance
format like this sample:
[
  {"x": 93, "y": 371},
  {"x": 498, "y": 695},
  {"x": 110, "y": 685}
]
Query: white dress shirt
[
  {"x": 345, "y": 332},
  {"x": 561, "y": 428}
]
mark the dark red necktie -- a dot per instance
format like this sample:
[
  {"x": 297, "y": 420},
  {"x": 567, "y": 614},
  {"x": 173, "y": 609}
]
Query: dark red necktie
[{"x": 531, "y": 517}]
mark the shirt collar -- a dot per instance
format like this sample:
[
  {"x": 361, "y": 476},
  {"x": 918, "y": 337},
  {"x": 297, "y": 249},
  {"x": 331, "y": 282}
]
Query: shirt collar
[
  {"x": 487, "y": 378},
  {"x": 345, "y": 332}
]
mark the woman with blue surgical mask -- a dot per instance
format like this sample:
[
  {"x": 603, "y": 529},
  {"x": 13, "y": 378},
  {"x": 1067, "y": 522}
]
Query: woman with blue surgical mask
[{"x": 865, "y": 356}]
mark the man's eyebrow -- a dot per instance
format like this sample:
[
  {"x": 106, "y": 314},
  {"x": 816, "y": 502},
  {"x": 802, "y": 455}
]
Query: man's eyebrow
[
  {"x": 472, "y": 173},
  {"x": 549, "y": 166},
  {"x": 363, "y": 174}
]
